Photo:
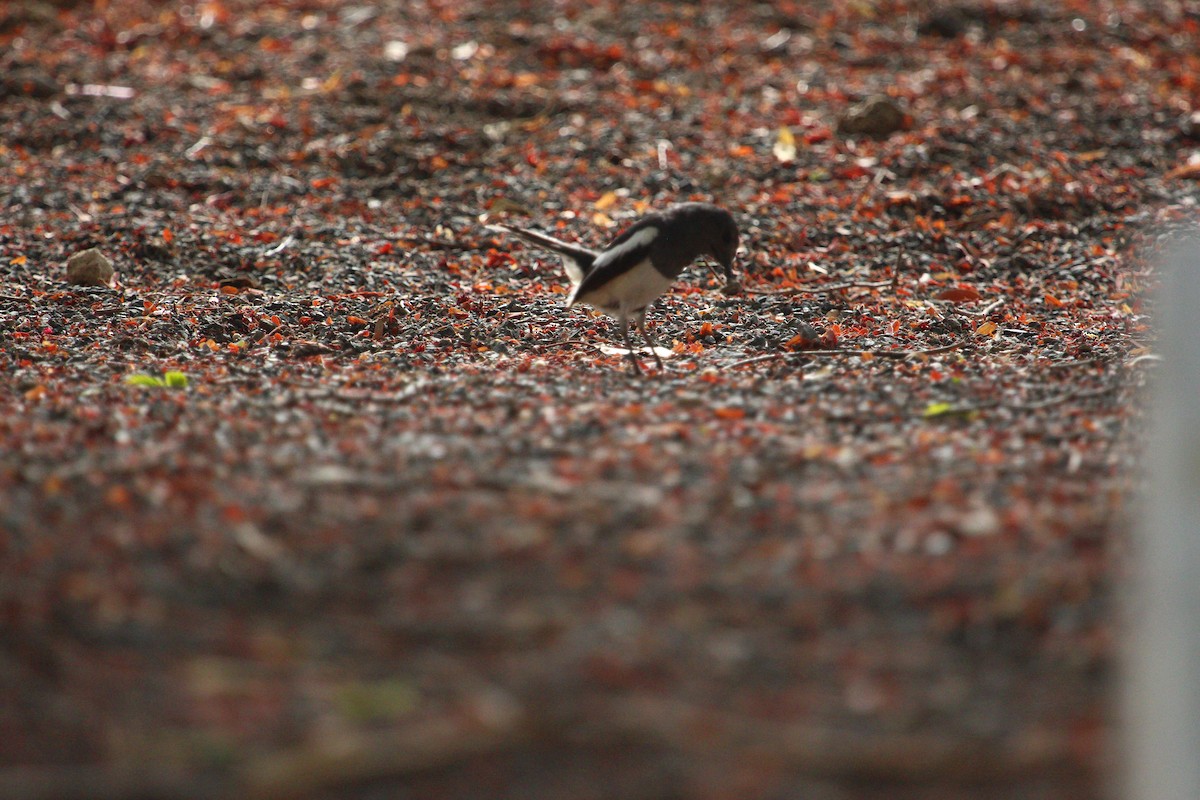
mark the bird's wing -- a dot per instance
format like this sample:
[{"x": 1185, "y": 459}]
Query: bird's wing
[
  {"x": 624, "y": 253},
  {"x": 577, "y": 260}
]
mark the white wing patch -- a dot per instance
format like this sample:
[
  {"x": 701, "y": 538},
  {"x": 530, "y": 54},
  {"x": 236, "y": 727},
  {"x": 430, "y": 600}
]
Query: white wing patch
[
  {"x": 571, "y": 267},
  {"x": 639, "y": 240}
]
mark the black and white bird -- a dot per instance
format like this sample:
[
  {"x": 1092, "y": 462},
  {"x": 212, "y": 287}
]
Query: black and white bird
[{"x": 638, "y": 266}]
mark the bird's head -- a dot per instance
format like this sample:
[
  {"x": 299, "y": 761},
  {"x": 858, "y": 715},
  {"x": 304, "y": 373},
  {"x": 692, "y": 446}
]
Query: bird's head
[
  {"x": 723, "y": 240},
  {"x": 726, "y": 246}
]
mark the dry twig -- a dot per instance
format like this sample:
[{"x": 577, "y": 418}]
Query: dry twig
[
  {"x": 1037, "y": 405},
  {"x": 825, "y": 289},
  {"x": 982, "y": 312},
  {"x": 832, "y": 754},
  {"x": 894, "y": 354},
  {"x": 1154, "y": 358}
]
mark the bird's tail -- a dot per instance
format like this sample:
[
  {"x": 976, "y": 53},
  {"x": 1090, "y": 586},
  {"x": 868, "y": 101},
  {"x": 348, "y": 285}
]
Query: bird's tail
[{"x": 576, "y": 260}]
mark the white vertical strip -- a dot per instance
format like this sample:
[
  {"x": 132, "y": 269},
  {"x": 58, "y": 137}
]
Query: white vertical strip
[{"x": 1162, "y": 691}]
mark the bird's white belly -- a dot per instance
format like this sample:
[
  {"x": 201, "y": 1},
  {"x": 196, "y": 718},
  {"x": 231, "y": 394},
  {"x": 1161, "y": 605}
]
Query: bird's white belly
[{"x": 637, "y": 288}]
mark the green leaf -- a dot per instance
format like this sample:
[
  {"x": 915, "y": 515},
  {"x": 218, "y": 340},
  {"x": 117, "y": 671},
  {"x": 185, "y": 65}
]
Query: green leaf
[
  {"x": 947, "y": 410},
  {"x": 173, "y": 379},
  {"x": 785, "y": 145},
  {"x": 378, "y": 700},
  {"x": 938, "y": 410},
  {"x": 144, "y": 380}
]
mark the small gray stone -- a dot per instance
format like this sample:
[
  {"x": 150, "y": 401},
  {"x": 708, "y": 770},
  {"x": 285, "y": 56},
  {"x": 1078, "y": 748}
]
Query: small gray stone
[
  {"x": 89, "y": 268},
  {"x": 1189, "y": 126},
  {"x": 949, "y": 23},
  {"x": 875, "y": 116}
]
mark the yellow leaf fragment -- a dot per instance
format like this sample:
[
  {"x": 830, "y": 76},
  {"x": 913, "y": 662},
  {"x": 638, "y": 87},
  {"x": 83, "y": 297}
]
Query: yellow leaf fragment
[
  {"x": 606, "y": 201},
  {"x": 785, "y": 145}
]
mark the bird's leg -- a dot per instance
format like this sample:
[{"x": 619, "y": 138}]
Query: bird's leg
[
  {"x": 641, "y": 324},
  {"x": 637, "y": 368}
]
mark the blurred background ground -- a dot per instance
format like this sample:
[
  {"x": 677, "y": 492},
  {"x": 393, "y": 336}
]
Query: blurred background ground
[{"x": 410, "y": 531}]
